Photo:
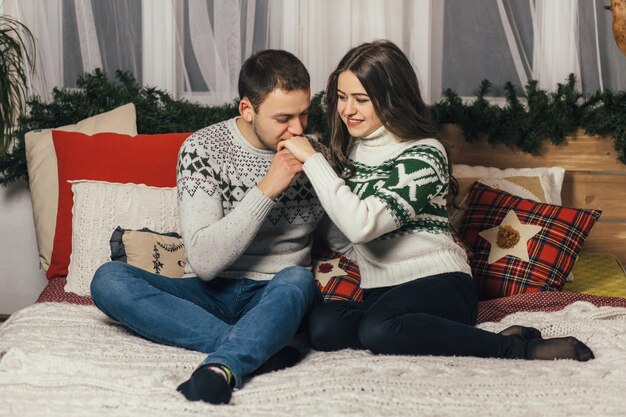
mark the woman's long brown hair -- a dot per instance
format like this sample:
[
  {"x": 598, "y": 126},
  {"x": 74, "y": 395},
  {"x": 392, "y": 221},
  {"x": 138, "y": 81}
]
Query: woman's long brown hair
[{"x": 391, "y": 84}]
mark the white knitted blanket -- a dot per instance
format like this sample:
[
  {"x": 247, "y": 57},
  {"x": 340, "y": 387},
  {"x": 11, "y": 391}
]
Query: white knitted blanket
[{"x": 67, "y": 360}]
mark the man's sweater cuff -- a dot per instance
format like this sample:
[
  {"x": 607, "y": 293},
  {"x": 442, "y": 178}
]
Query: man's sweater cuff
[{"x": 257, "y": 203}]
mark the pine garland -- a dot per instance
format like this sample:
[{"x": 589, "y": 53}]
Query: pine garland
[
  {"x": 157, "y": 112},
  {"x": 541, "y": 116},
  {"x": 524, "y": 122}
]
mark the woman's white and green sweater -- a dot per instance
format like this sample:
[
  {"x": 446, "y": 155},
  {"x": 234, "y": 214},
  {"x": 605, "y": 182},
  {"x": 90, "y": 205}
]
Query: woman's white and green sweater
[{"x": 393, "y": 209}]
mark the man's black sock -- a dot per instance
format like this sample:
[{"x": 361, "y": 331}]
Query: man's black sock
[{"x": 210, "y": 383}]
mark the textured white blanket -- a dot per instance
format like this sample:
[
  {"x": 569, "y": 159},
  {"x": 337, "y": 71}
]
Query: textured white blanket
[{"x": 68, "y": 360}]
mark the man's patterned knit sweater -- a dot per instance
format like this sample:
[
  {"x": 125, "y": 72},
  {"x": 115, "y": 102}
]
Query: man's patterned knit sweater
[
  {"x": 393, "y": 209},
  {"x": 230, "y": 228}
]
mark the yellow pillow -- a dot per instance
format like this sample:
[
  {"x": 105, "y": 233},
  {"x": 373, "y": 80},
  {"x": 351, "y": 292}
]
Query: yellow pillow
[{"x": 598, "y": 274}]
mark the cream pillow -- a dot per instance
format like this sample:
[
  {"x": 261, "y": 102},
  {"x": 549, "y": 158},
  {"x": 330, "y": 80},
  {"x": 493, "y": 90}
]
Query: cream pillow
[
  {"x": 538, "y": 184},
  {"x": 99, "y": 208},
  {"x": 551, "y": 178},
  {"x": 42, "y": 169},
  {"x": 525, "y": 187}
]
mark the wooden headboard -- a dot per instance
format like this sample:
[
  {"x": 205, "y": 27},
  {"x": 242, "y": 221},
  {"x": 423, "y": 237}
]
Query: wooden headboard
[{"x": 594, "y": 178}]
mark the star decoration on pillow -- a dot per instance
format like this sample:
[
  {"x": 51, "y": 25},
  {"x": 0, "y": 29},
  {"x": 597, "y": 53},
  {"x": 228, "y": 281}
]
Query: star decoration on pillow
[
  {"x": 325, "y": 270},
  {"x": 509, "y": 238}
]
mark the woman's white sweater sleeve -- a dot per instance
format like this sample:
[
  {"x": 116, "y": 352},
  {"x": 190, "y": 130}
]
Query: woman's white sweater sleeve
[{"x": 360, "y": 220}]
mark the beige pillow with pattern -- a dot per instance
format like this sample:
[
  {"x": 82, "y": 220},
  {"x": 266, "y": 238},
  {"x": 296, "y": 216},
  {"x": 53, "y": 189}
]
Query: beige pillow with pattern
[{"x": 156, "y": 253}]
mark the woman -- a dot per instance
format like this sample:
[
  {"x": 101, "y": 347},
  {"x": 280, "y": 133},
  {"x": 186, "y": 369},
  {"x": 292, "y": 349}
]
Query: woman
[{"x": 387, "y": 191}]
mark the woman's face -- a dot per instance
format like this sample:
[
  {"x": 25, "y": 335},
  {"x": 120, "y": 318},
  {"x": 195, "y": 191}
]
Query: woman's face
[{"x": 355, "y": 107}]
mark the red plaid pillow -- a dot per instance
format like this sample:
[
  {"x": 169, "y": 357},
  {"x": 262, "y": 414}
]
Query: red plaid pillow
[
  {"x": 336, "y": 276},
  {"x": 503, "y": 229}
]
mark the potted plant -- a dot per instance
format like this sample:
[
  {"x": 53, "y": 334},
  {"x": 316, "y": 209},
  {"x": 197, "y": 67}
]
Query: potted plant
[{"x": 16, "y": 60}]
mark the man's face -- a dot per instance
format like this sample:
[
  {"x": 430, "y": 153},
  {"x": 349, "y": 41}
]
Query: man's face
[{"x": 281, "y": 115}]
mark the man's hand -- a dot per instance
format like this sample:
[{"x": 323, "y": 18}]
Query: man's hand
[
  {"x": 282, "y": 170},
  {"x": 299, "y": 146}
]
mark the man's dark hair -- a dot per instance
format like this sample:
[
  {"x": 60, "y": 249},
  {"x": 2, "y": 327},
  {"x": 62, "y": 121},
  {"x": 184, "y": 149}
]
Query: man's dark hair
[{"x": 268, "y": 70}]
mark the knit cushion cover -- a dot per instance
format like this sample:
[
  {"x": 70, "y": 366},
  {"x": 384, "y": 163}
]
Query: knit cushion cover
[
  {"x": 99, "y": 208},
  {"x": 558, "y": 236}
]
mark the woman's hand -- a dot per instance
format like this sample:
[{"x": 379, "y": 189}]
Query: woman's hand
[
  {"x": 299, "y": 146},
  {"x": 284, "y": 167}
]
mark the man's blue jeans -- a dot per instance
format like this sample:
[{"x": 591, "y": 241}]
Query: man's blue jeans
[{"x": 240, "y": 323}]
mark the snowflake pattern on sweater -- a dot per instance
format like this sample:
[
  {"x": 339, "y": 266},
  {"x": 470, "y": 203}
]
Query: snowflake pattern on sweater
[
  {"x": 414, "y": 186},
  {"x": 230, "y": 228},
  {"x": 214, "y": 162}
]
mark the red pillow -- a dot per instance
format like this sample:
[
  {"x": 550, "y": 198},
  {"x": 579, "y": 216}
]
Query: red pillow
[
  {"x": 141, "y": 159},
  {"x": 520, "y": 245},
  {"x": 336, "y": 276}
]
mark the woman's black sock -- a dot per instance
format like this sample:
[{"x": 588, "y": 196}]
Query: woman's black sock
[
  {"x": 526, "y": 333},
  {"x": 558, "y": 348},
  {"x": 284, "y": 358}
]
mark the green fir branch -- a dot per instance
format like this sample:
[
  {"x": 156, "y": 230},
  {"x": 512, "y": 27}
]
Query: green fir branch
[{"x": 526, "y": 121}]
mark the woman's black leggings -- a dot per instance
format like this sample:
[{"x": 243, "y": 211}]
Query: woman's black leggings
[{"x": 428, "y": 316}]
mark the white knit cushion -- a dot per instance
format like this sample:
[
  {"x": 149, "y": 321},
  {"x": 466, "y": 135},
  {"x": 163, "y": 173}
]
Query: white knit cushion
[
  {"x": 100, "y": 207},
  {"x": 42, "y": 169}
]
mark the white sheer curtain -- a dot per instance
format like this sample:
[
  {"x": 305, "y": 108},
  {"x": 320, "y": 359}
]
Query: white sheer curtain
[
  {"x": 194, "y": 48},
  {"x": 556, "y": 42},
  {"x": 603, "y": 66},
  {"x": 77, "y": 36},
  {"x": 88, "y": 39},
  {"x": 293, "y": 25},
  {"x": 296, "y": 26},
  {"x": 216, "y": 44},
  {"x": 44, "y": 21},
  {"x": 553, "y": 53},
  {"x": 514, "y": 40},
  {"x": 565, "y": 37}
]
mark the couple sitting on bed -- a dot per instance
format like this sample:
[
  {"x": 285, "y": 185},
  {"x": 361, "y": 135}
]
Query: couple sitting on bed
[{"x": 253, "y": 189}]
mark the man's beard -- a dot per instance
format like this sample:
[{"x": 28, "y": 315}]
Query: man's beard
[{"x": 259, "y": 136}]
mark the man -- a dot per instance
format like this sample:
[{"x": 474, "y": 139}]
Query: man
[{"x": 246, "y": 219}]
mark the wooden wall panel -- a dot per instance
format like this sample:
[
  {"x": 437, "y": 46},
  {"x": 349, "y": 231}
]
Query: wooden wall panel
[
  {"x": 594, "y": 178},
  {"x": 580, "y": 153},
  {"x": 603, "y": 191},
  {"x": 608, "y": 237}
]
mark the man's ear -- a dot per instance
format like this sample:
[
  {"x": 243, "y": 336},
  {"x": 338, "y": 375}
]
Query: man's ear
[{"x": 246, "y": 110}]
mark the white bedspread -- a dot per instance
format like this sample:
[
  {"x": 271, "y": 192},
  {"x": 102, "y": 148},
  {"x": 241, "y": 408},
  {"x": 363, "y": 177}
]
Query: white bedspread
[{"x": 68, "y": 360}]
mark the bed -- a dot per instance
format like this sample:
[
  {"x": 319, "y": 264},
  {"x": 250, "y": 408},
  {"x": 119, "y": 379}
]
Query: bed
[{"x": 61, "y": 356}]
